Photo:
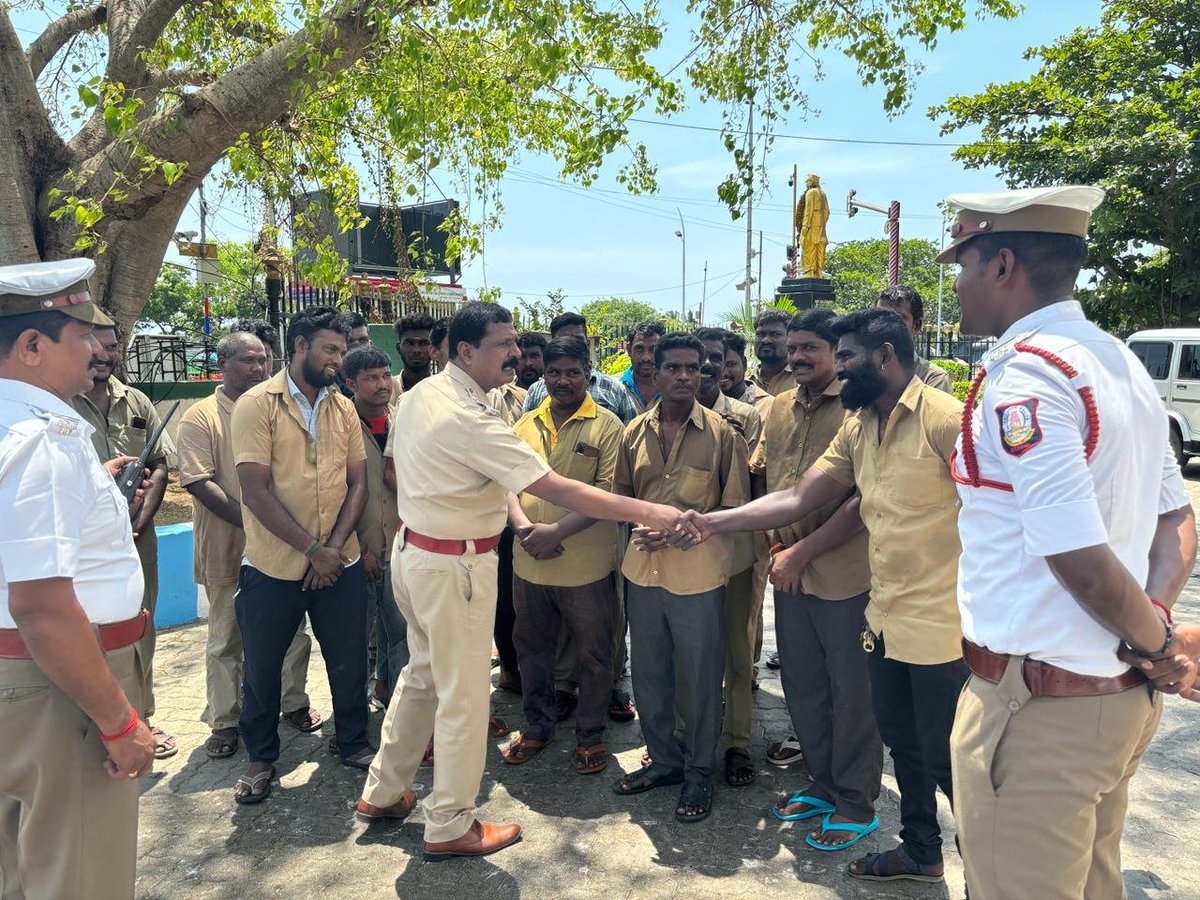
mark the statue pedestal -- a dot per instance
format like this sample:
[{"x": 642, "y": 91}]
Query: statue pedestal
[{"x": 806, "y": 293}]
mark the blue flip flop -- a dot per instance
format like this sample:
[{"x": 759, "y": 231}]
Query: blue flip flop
[
  {"x": 859, "y": 832},
  {"x": 817, "y": 807}
]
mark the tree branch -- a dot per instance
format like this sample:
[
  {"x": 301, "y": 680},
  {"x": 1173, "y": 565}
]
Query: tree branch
[
  {"x": 127, "y": 61},
  {"x": 59, "y": 32}
]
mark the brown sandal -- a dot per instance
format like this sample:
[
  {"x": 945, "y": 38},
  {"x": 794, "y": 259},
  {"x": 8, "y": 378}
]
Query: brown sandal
[
  {"x": 305, "y": 720},
  {"x": 590, "y": 760},
  {"x": 522, "y": 750}
]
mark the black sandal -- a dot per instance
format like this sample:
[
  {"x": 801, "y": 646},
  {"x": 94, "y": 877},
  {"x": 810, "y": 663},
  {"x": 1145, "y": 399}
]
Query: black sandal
[
  {"x": 222, "y": 743},
  {"x": 740, "y": 770},
  {"x": 250, "y": 782},
  {"x": 644, "y": 780},
  {"x": 893, "y": 865},
  {"x": 697, "y": 796}
]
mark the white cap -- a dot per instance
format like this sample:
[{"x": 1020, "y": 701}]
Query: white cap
[{"x": 60, "y": 286}]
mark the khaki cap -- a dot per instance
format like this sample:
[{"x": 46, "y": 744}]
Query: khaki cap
[
  {"x": 60, "y": 286},
  {"x": 1065, "y": 209}
]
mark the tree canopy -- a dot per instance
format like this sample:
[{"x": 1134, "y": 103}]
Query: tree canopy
[
  {"x": 1116, "y": 105},
  {"x": 176, "y": 303},
  {"x": 859, "y": 270},
  {"x": 112, "y": 116}
]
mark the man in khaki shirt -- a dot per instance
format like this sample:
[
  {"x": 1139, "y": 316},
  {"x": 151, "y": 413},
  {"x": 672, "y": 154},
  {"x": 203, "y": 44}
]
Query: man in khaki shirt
[
  {"x": 772, "y": 375},
  {"x": 680, "y": 453},
  {"x": 298, "y": 447},
  {"x": 124, "y": 418},
  {"x": 207, "y": 471},
  {"x": 413, "y": 343},
  {"x": 564, "y": 562},
  {"x": 906, "y": 302},
  {"x": 454, "y": 469},
  {"x": 896, "y": 452}
]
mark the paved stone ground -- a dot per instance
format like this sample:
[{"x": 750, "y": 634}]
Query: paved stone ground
[{"x": 581, "y": 841}]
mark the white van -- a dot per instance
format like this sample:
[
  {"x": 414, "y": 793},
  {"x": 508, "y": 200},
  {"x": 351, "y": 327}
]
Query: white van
[{"x": 1172, "y": 357}]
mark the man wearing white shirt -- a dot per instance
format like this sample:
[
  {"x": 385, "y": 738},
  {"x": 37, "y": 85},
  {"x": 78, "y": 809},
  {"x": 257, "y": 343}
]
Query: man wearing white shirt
[
  {"x": 1077, "y": 537},
  {"x": 72, "y": 743}
]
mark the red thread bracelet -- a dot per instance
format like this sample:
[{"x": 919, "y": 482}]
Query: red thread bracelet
[
  {"x": 133, "y": 720},
  {"x": 1166, "y": 610}
]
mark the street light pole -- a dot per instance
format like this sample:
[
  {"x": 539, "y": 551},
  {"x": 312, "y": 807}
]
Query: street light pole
[{"x": 682, "y": 235}]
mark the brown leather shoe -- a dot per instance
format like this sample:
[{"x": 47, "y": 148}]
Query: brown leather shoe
[
  {"x": 482, "y": 838},
  {"x": 365, "y": 812}
]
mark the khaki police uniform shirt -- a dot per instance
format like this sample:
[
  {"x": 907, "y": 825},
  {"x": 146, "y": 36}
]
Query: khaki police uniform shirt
[
  {"x": 131, "y": 420},
  {"x": 377, "y": 524},
  {"x": 205, "y": 443},
  {"x": 746, "y": 421},
  {"x": 934, "y": 375},
  {"x": 782, "y": 383},
  {"x": 798, "y": 431},
  {"x": 508, "y": 400},
  {"x": 584, "y": 449},
  {"x": 458, "y": 459},
  {"x": 308, "y": 476},
  {"x": 706, "y": 468},
  {"x": 910, "y": 508}
]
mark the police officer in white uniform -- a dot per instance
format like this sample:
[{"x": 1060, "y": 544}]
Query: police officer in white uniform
[
  {"x": 72, "y": 743},
  {"x": 1077, "y": 537}
]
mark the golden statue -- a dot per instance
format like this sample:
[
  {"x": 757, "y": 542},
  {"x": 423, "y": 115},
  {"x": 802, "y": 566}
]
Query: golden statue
[{"x": 812, "y": 212}]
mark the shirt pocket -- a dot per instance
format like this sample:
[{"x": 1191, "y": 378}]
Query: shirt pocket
[
  {"x": 129, "y": 440},
  {"x": 695, "y": 488},
  {"x": 922, "y": 483},
  {"x": 581, "y": 467}
]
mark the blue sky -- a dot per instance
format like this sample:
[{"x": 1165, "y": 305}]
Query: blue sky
[{"x": 600, "y": 241}]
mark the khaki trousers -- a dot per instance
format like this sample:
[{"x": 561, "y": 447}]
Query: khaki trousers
[
  {"x": 66, "y": 828},
  {"x": 742, "y": 609},
  {"x": 449, "y": 603},
  {"x": 1041, "y": 787},
  {"x": 147, "y": 549},
  {"x": 223, "y": 663},
  {"x": 761, "y": 564}
]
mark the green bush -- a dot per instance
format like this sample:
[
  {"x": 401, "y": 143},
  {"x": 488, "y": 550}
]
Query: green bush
[
  {"x": 958, "y": 371},
  {"x": 961, "y": 387},
  {"x": 615, "y": 364}
]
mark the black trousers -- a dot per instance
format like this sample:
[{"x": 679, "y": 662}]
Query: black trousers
[
  {"x": 506, "y": 616},
  {"x": 914, "y": 707},
  {"x": 269, "y": 610}
]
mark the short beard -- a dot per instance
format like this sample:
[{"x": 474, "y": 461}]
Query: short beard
[
  {"x": 317, "y": 377},
  {"x": 862, "y": 387}
]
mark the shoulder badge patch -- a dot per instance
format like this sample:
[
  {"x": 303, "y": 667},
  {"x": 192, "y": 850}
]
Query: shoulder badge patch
[{"x": 1019, "y": 428}]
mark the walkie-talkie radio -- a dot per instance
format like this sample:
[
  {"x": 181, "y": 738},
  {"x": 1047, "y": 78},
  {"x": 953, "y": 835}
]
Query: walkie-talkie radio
[{"x": 133, "y": 474}]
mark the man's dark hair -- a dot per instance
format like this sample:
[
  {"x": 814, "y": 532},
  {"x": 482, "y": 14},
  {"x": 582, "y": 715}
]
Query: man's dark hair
[
  {"x": 772, "y": 317},
  {"x": 261, "y": 329},
  {"x": 353, "y": 320},
  {"x": 566, "y": 320},
  {"x": 571, "y": 346},
  {"x": 818, "y": 321},
  {"x": 676, "y": 340},
  {"x": 471, "y": 322},
  {"x": 736, "y": 343},
  {"x": 306, "y": 322},
  {"x": 1052, "y": 260},
  {"x": 50, "y": 323},
  {"x": 873, "y": 328},
  {"x": 438, "y": 332},
  {"x": 527, "y": 339},
  {"x": 415, "y": 322},
  {"x": 713, "y": 334},
  {"x": 642, "y": 329},
  {"x": 361, "y": 358},
  {"x": 901, "y": 294}
]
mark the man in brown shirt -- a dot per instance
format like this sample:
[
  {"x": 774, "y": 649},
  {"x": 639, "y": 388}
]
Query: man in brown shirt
[
  {"x": 414, "y": 346},
  {"x": 207, "y": 471},
  {"x": 302, "y": 467},
  {"x": 770, "y": 346},
  {"x": 906, "y": 302},
  {"x": 682, "y": 454},
  {"x": 896, "y": 453}
]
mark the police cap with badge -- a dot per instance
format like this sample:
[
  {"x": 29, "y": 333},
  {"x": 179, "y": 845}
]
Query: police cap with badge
[
  {"x": 1065, "y": 209},
  {"x": 60, "y": 286}
]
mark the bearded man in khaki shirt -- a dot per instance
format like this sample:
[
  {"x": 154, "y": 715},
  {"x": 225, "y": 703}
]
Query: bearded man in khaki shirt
[{"x": 896, "y": 452}]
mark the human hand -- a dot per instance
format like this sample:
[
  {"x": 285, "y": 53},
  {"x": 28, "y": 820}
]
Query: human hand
[
  {"x": 373, "y": 567},
  {"x": 542, "y": 541},
  {"x": 1178, "y": 672},
  {"x": 131, "y": 756},
  {"x": 696, "y": 526},
  {"x": 324, "y": 568},
  {"x": 648, "y": 540},
  {"x": 114, "y": 466},
  {"x": 786, "y": 567},
  {"x": 659, "y": 517}
]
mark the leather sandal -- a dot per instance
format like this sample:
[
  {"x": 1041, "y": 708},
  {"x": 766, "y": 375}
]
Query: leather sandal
[
  {"x": 305, "y": 720},
  {"x": 740, "y": 770},
  {"x": 893, "y": 865},
  {"x": 221, "y": 743},
  {"x": 522, "y": 750},
  {"x": 251, "y": 783},
  {"x": 592, "y": 759}
]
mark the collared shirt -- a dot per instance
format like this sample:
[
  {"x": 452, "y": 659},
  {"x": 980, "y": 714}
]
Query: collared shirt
[
  {"x": 934, "y": 375},
  {"x": 758, "y": 398},
  {"x": 458, "y": 459},
  {"x": 911, "y": 514},
  {"x": 131, "y": 420},
  {"x": 635, "y": 395},
  {"x": 308, "y": 474},
  {"x": 706, "y": 468},
  {"x": 1029, "y": 430},
  {"x": 310, "y": 411},
  {"x": 63, "y": 515},
  {"x": 605, "y": 390},
  {"x": 585, "y": 450},
  {"x": 508, "y": 400},
  {"x": 206, "y": 453},
  {"x": 377, "y": 524},
  {"x": 782, "y": 383},
  {"x": 798, "y": 431},
  {"x": 744, "y": 419}
]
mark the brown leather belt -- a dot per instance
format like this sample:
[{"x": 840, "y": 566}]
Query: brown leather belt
[
  {"x": 1045, "y": 680},
  {"x": 112, "y": 636},
  {"x": 449, "y": 548}
]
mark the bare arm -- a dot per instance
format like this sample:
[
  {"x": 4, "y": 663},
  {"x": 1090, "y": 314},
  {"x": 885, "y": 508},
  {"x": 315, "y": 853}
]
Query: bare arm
[
  {"x": 517, "y": 519},
  {"x": 779, "y": 508},
  {"x": 1172, "y": 555},
  {"x": 788, "y": 565},
  {"x": 153, "y": 497},
  {"x": 352, "y": 506},
  {"x": 212, "y": 497},
  {"x": 598, "y": 504}
]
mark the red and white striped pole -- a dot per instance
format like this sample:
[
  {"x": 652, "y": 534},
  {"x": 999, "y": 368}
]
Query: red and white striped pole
[{"x": 894, "y": 243}]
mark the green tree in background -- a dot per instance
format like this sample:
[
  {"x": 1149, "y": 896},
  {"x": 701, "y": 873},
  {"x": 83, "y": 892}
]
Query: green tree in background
[
  {"x": 859, "y": 270},
  {"x": 176, "y": 304}
]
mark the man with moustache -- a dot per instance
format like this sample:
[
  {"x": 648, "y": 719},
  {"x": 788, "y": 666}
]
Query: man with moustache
[
  {"x": 638, "y": 379},
  {"x": 770, "y": 346},
  {"x": 906, "y": 302},
  {"x": 122, "y": 419},
  {"x": 301, "y": 465},
  {"x": 208, "y": 473},
  {"x": 681, "y": 453},
  {"x": 734, "y": 383},
  {"x": 896, "y": 453},
  {"x": 742, "y": 606},
  {"x": 605, "y": 389},
  {"x": 413, "y": 343},
  {"x": 532, "y": 346},
  {"x": 72, "y": 746},
  {"x": 453, "y": 472}
]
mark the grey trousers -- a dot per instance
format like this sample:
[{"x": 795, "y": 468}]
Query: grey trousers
[
  {"x": 670, "y": 633},
  {"x": 827, "y": 687}
]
